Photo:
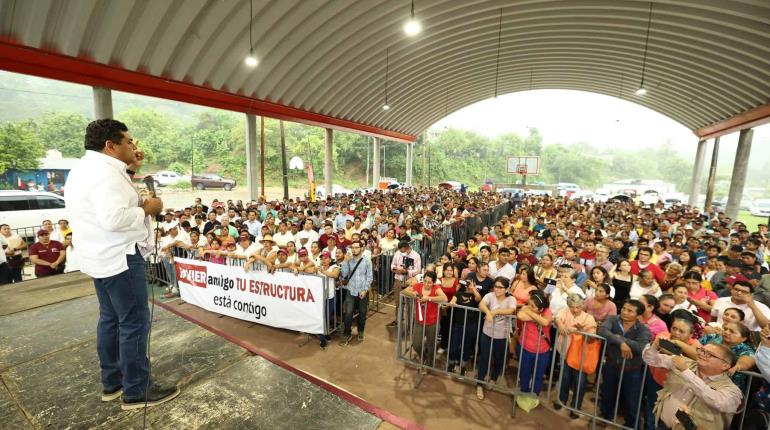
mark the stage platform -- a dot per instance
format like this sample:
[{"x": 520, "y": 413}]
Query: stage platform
[{"x": 233, "y": 373}]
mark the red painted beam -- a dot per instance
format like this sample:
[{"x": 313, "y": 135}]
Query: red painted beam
[
  {"x": 18, "y": 58},
  {"x": 751, "y": 118}
]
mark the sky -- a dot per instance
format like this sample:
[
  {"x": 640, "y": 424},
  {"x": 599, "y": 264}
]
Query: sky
[{"x": 564, "y": 116}]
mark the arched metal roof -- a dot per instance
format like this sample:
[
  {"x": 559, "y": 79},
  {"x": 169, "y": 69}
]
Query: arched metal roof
[{"x": 707, "y": 60}]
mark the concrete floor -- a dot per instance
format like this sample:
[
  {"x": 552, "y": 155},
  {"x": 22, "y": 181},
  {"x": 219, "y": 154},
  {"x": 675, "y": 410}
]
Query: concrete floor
[
  {"x": 288, "y": 384},
  {"x": 50, "y": 378}
]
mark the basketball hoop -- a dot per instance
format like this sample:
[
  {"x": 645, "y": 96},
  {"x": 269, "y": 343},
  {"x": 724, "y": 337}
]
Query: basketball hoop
[{"x": 521, "y": 169}]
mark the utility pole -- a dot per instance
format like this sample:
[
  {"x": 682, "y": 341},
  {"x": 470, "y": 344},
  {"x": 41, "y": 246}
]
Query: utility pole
[
  {"x": 283, "y": 163},
  {"x": 368, "y": 147},
  {"x": 262, "y": 150}
]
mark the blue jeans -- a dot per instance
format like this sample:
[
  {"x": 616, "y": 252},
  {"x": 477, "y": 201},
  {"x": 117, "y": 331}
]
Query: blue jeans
[
  {"x": 493, "y": 366},
  {"x": 170, "y": 274},
  {"x": 121, "y": 334},
  {"x": 458, "y": 344},
  {"x": 531, "y": 372},
  {"x": 629, "y": 393},
  {"x": 651, "y": 389},
  {"x": 354, "y": 302},
  {"x": 574, "y": 380}
]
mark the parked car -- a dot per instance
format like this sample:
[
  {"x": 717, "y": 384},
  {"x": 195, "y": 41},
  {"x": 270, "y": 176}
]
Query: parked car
[
  {"x": 760, "y": 207},
  {"x": 209, "y": 180},
  {"x": 567, "y": 188},
  {"x": 601, "y": 195},
  {"x": 165, "y": 178},
  {"x": 28, "y": 209}
]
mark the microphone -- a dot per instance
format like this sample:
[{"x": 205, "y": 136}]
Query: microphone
[{"x": 149, "y": 181}]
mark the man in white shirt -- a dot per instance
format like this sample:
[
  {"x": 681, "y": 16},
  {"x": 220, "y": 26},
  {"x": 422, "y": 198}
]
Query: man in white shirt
[
  {"x": 245, "y": 248},
  {"x": 5, "y": 271},
  {"x": 253, "y": 224},
  {"x": 503, "y": 267},
  {"x": 111, "y": 226},
  {"x": 757, "y": 315},
  {"x": 283, "y": 236}
]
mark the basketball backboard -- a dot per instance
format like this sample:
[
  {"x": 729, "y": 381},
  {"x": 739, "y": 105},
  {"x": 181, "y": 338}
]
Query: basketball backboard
[{"x": 526, "y": 165}]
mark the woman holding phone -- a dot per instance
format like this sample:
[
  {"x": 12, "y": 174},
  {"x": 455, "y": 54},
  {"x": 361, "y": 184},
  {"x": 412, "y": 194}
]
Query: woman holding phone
[{"x": 465, "y": 325}]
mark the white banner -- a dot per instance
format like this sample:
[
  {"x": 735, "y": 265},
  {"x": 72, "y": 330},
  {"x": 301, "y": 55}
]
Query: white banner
[{"x": 281, "y": 299}]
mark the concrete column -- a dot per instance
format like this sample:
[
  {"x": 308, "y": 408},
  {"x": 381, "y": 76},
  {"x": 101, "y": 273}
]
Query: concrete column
[
  {"x": 697, "y": 170},
  {"x": 740, "y": 169},
  {"x": 328, "y": 161},
  {"x": 712, "y": 176},
  {"x": 409, "y": 160},
  {"x": 376, "y": 163},
  {"x": 252, "y": 168},
  {"x": 102, "y": 103}
]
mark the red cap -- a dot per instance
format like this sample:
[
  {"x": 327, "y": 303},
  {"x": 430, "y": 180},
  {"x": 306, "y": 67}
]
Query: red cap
[
  {"x": 302, "y": 252},
  {"x": 43, "y": 232}
]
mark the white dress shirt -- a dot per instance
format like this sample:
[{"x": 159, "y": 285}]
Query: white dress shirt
[{"x": 103, "y": 209}]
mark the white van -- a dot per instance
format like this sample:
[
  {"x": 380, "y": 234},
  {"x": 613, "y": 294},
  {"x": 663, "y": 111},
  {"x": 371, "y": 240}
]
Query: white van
[
  {"x": 760, "y": 207},
  {"x": 28, "y": 209},
  {"x": 165, "y": 178}
]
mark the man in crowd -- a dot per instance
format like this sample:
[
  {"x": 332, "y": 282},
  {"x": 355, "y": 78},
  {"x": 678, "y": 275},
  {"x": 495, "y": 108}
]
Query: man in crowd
[
  {"x": 757, "y": 315},
  {"x": 702, "y": 390},
  {"x": 406, "y": 264},
  {"x": 643, "y": 262},
  {"x": 47, "y": 255},
  {"x": 626, "y": 337},
  {"x": 357, "y": 277}
]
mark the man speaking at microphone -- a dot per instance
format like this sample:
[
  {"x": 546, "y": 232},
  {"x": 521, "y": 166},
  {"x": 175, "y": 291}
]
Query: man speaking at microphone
[{"x": 111, "y": 225}]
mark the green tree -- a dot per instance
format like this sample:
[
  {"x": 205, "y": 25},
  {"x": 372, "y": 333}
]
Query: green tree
[
  {"x": 19, "y": 148},
  {"x": 63, "y": 131}
]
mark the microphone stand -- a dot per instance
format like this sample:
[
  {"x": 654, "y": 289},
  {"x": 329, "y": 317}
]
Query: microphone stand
[{"x": 149, "y": 181}]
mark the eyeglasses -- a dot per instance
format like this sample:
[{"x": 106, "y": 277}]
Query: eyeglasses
[
  {"x": 735, "y": 290},
  {"x": 703, "y": 352},
  {"x": 499, "y": 286}
]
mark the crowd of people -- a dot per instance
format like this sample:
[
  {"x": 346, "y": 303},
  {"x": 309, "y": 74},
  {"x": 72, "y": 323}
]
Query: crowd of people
[{"x": 671, "y": 300}]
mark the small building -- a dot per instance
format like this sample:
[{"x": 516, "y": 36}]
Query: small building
[{"x": 50, "y": 176}]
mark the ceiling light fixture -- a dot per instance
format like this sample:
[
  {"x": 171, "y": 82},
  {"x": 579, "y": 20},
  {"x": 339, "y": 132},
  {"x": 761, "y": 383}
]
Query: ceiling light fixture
[
  {"x": 251, "y": 59},
  {"x": 642, "y": 91},
  {"x": 386, "y": 106},
  {"x": 497, "y": 64},
  {"x": 412, "y": 26}
]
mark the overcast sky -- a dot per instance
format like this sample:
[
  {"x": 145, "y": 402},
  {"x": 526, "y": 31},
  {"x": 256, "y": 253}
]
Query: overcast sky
[{"x": 564, "y": 116}]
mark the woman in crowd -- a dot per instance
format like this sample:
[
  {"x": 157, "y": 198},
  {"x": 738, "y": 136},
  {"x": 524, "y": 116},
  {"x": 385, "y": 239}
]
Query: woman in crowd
[
  {"x": 681, "y": 299},
  {"x": 291, "y": 253},
  {"x": 600, "y": 306},
  {"x": 465, "y": 325},
  {"x": 569, "y": 321},
  {"x": 534, "y": 346},
  {"x": 213, "y": 253},
  {"x": 473, "y": 265},
  {"x": 427, "y": 294},
  {"x": 666, "y": 303},
  {"x": 659, "y": 254},
  {"x": 449, "y": 284},
  {"x": 524, "y": 282},
  {"x": 645, "y": 284},
  {"x": 697, "y": 295},
  {"x": 672, "y": 276},
  {"x": 730, "y": 315},
  {"x": 622, "y": 280},
  {"x": 686, "y": 260},
  {"x": 389, "y": 242},
  {"x": 496, "y": 306},
  {"x": 598, "y": 276},
  {"x": 649, "y": 318}
]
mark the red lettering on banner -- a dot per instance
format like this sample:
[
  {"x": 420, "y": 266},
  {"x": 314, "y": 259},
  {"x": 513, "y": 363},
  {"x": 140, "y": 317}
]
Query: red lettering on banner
[
  {"x": 192, "y": 274},
  {"x": 283, "y": 292}
]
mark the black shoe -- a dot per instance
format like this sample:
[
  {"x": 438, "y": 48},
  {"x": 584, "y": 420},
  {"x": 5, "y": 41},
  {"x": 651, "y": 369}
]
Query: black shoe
[
  {"x": 462, "y": 371},
  {"x": 108, "y": 396},
  {"x": 155, "y": 396},
  {"x": 574, "y": 416},
  {"x": 324, "y": 342},
  {"x": 556, "y": 406}
]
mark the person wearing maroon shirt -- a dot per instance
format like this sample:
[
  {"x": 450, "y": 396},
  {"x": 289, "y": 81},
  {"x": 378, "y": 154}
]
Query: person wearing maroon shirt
[
  {"x": 643, "y": 262},
  {"x": 47, "y": 255},
  {"x": 323, "y": 240},
  {"x": 525, "y": 255}
]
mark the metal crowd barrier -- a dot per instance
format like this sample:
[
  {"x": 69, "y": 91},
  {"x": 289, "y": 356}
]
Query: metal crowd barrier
[
  {"x": 417, "y": 347},
  {"x": 383, "y": 278}
]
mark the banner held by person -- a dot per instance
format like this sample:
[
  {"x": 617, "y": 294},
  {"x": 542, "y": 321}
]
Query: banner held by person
[{"x": 282, "y": 300}]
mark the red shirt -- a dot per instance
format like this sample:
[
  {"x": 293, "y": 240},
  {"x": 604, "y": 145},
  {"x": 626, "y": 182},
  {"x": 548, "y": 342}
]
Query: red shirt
[
  {"x": 49, "y": 253},
  {"x": 450, "y": 292},
  {"x": 534, "y": 338},
  {"x": 529, "y": 259},
  {"x": 656, "y": 272},
  {"x": 426, "y": 313},
  {"x": 703, "y": 294}
]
